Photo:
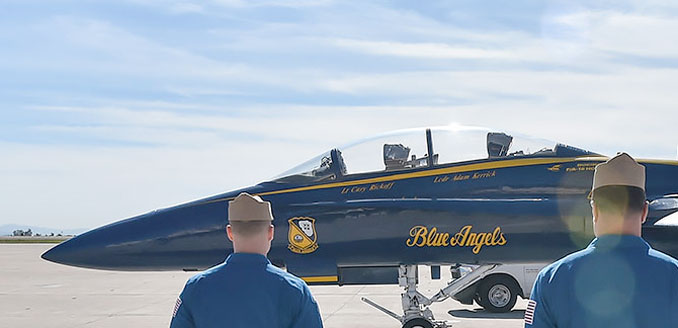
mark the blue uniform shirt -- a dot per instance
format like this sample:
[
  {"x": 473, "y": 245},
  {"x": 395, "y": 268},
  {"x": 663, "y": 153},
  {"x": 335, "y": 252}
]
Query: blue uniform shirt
[
  {"x": 617, "y": 281},
  {"x": 245, "y": 291}
]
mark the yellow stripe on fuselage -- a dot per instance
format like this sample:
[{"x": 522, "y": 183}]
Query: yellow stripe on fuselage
[
  {"x": 428, "y": 173},
  {"x": 455, "y": 169},
  {"x": 320, "y": 279}
]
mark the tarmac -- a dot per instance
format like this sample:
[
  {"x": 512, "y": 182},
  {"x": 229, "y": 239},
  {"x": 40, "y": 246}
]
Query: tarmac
[{"x": 38, "y": 293}]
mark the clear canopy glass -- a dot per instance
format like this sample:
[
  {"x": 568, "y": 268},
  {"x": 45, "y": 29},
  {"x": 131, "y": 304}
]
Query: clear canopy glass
[{"x": 408, "y": 149}]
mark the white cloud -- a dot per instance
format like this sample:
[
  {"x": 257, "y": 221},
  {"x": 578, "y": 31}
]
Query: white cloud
[
  {"x": 423, "y": 50},
  {"x": 186, "y": 8},
  {"x": 275, "y": 3},
  {"x": 98, "y": 46},
  {"x": 182, "y": 6},
  {"x": 566, "y": 38},
  {"x": 635, "y": 34}
]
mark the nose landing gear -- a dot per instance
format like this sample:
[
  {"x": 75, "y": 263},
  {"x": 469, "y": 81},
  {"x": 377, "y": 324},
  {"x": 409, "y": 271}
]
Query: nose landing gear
[{"x": 415, "y": 305}]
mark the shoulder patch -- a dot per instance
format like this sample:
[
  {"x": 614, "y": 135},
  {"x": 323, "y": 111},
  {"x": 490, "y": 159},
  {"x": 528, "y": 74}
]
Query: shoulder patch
[{"x": 529, "y": 312}]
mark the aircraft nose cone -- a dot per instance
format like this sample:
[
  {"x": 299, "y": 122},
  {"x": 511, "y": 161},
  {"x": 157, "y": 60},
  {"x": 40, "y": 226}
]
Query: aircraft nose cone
[
  {"x": 58, "y": 254},
  {"x": 182, "y": 238},
  {"x": 87, "y": 250}
]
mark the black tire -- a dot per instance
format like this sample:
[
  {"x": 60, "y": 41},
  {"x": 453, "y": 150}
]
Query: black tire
[
  {"x": 498, "y": 293},
  {"x": 418, "y": 322},
  {"x": 478, "y": 300}
]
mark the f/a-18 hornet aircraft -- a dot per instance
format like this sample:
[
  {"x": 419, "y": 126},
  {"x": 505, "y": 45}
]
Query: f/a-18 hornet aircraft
[{"x": 372, "y": 211}]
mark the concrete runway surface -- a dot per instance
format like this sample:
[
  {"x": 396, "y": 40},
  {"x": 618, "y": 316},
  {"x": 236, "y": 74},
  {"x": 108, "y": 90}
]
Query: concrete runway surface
[{"x": 37, "y": 293}]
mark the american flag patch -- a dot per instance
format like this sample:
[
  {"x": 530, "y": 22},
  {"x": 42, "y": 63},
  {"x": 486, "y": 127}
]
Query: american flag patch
[
  {"x": 176, "y": 307},
  {"x": 529, "y": 312}
]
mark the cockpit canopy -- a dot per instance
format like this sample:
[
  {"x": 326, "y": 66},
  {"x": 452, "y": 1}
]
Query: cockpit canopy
[{"x": 409, "y": 149}]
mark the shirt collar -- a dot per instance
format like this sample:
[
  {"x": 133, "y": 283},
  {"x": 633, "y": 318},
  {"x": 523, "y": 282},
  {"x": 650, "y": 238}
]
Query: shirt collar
[
  {"x": 247, "y": 258},
  {"x": 609, "y": 242}
]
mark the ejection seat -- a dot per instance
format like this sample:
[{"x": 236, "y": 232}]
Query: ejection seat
[
  {"x": 395, "y": 156},
  {"x": 498, "y": 144}
]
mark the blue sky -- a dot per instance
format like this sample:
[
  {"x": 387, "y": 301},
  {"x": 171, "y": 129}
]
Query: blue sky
[{"x": 110, "y": 109}]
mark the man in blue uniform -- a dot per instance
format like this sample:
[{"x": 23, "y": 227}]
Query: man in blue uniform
[
  {"x": 246, "y": 290},
  {"x": 618, "y": 280}
]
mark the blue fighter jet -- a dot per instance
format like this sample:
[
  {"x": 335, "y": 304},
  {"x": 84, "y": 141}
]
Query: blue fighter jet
[{"x": 372, "y": 211}]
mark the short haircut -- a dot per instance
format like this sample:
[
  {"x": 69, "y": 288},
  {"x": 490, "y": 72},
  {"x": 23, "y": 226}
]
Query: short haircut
[
  {"x": 249, "y": 228},
  {"x": 620, "y": 200}
]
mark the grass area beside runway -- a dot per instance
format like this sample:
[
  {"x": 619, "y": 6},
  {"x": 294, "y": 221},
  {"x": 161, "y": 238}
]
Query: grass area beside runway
[{"x": 33, "y": 240}]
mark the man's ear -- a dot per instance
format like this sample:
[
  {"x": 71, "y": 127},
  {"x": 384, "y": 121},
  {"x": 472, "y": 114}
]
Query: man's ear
[
  {"x": 594, "y": 211},
  {"x": 229, "y": 232},
  {"x": 646, "y": 210},
  {"x": 271, "y": 232}
]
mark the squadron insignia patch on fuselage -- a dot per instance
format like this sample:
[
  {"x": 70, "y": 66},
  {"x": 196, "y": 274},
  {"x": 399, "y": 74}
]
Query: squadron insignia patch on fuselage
[{"x": 302, "y": 236}]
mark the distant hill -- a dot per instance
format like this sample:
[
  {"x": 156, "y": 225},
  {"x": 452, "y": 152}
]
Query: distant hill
[{"x": 8, "y": 229}]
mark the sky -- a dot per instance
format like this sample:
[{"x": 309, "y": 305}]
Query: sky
[{"x": 111, "y": 109}]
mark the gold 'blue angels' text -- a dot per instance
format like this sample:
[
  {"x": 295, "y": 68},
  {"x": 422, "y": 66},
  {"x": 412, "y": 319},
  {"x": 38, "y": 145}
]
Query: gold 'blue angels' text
[{"x": 421, "y": 236}]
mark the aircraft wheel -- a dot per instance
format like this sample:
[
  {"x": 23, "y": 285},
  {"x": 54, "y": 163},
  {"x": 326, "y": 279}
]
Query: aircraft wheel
[
  {"x": 479, "y": 301},
  {"x": 498, "y": 293},
  {"x": 418, "y": 323}
]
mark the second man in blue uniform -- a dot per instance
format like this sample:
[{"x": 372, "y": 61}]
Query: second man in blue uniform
[{"x": 618, "y": 280}]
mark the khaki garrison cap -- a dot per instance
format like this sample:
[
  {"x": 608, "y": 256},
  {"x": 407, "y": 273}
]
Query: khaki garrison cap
[
  {"x": 248, "y": 208},
  {"x": 621, "y": 170}
]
